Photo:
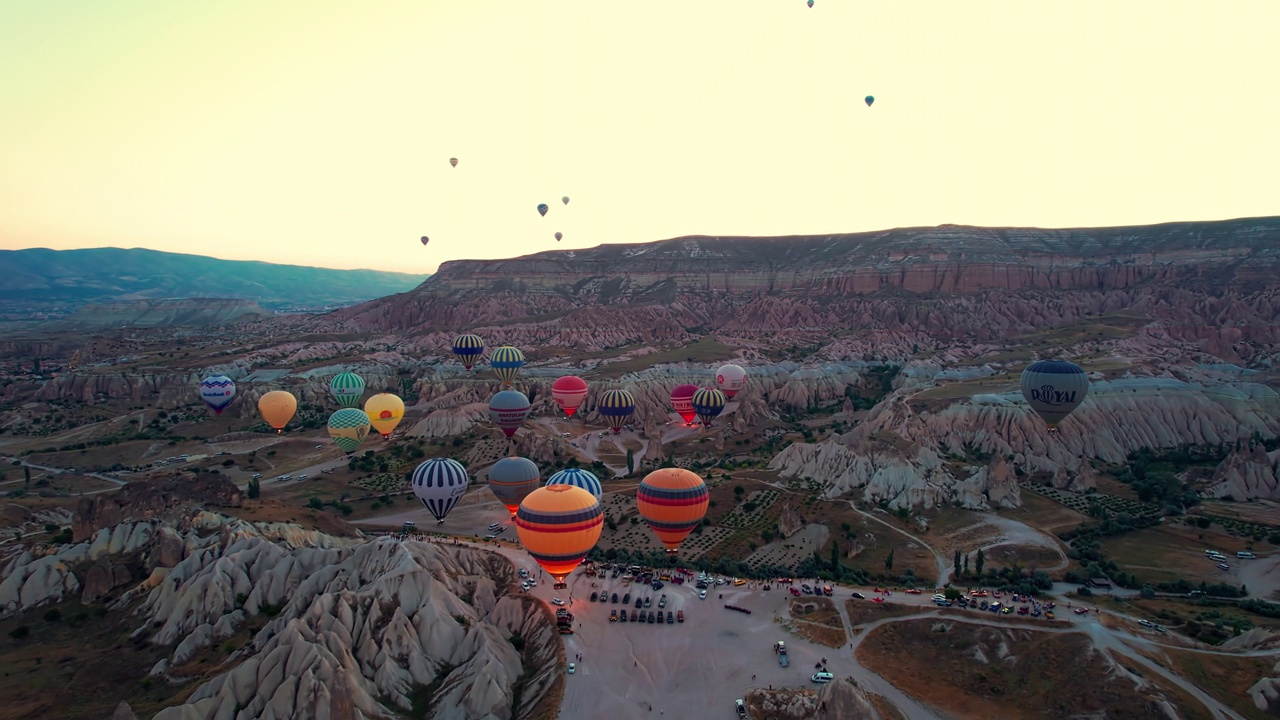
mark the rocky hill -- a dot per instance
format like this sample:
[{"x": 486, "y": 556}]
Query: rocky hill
[
  {"x": 191, "y": 312},
  {"x": 44, "y": 284},
  {"x": 1213, "y": 283}
]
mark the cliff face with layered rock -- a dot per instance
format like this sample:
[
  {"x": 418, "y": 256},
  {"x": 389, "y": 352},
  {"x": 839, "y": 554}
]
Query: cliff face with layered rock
[{"x": 356, "y": 626}]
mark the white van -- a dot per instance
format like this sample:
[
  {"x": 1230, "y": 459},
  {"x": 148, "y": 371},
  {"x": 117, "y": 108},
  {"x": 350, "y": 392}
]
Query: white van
[
  {"x": 493, "y": 527},
  {"x": 822, "y": 677},
  {"x": 1246, "y": 555}
]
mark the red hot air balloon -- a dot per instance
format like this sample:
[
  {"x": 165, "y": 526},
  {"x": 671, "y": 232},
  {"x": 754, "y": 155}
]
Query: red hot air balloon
[
  {"x": 673, "y": 501},
  {"x": 682, "y": 402},
  {"x": 558, "y": 525},
  {"x": 569, "y": 392},
  {"x": 508, "y": 410}
]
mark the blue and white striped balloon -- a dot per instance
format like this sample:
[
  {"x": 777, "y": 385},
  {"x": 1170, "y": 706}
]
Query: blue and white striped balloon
[
  {"x": 440, "y": 483},
  {"x": 580, "y": 478}
]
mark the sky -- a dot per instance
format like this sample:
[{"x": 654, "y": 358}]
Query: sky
[{"x": 319, "y": 132}]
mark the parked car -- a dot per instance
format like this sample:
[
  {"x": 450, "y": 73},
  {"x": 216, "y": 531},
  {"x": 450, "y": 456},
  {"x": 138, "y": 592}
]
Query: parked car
[
  {"x": 593, "y": 596},
  {"x": 572, "y": 667},
  {"x": 557, "y": 601}
]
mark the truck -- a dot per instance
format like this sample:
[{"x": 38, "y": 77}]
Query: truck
[{"x": 781, "y": 649}]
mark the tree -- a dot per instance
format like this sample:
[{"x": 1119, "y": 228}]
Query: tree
[
  {"x": 835, "y": 557},
  {"x": 966, "y": 565},
  {"x": 978, "y": 562},
  {"x": 255, "y": 489},
  {"x": 26, "y": 474},
  {"x": 631, "y": 462},
  {"x": 1148, "y": 592},
  {"x": 956, "y": 563},
  {"x": 888, "y": 562}
]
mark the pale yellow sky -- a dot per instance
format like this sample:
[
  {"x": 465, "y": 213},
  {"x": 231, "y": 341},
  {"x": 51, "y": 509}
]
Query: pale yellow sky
[{"x": 318, "y": 132}]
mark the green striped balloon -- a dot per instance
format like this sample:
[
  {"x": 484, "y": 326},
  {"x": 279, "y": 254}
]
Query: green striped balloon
[
  {"x": 347, "y": 389},
  {"x": 348, "y": 427}
]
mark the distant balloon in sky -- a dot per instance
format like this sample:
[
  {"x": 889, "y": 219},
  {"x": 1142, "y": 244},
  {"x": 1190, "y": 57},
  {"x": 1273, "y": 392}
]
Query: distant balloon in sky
[
  {"x": 870, "y": 99},
  {"x": 453, "y": 162},
  {"x": 542, "y": 209},
  {"x": 425, "y": 239},
  {"x": 810, "y": 3},
  {"x": 565, "y": 199},
  {"x": 558, "y": 236}
]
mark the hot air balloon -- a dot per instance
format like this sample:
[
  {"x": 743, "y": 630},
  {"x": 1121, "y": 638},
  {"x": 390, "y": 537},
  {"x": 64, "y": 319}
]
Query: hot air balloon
[
  {"x": 730, "y": 378},
  {"x": 565, "y": 199},
  {"x": 578, "y": 477},
  {"x": 506, "y": 362},
  {"x": 870, "y": 100},
  {"x": 385, "y": 412},
  {"x": 439, "y": 483},
  {"x": 558, "y": 236},
  {"x": 617, "y": 407},
  {"x": 347, "y": 388},
  {"x": 217, "y": 391},
  {"x": 569, "y": 392},
  {"x": 425, "y": 239},
  {"x": 348, "y": 428},
  {"x": 1054, "y": 388},
  {"x": 542, "y": 209},
  {"x": 453, "y": 162},
  {"x": 708, "y": 402},
  {"x": 468, "y": 348},
  {"x": 673, "y": 501},
  {"x": 277, "y": 408},
  {"x": 682, "y": 402},
  {"x": 810, "y": 3},
  {"x": 512, "y": 479},
  {"x": 558, "y": 525},
  {"x": 508, "y": 409}
]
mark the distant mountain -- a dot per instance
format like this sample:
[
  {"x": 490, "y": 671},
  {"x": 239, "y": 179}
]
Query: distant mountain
[{"x": 43, "y": 284}]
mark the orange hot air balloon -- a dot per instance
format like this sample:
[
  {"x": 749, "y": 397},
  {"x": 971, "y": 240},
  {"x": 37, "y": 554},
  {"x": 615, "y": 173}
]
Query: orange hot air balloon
[
  {"x": 277, "y": 408},
  {"x": 558, "y": 525},
  {"x": 385, "y": 412},
  {"x": 673, "y": 501}
]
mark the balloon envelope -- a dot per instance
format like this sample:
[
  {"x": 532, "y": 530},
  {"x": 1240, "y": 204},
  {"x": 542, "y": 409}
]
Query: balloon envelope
[
  {"x": 810, "y": 3},
  {"x": 468, "y": 348},
  {"x": 348, "y": 428},
  {"x": 708, "y": 402},
  {"x": 617, "y": 407},
  {"x": 347, "y": 388},
  {"x": 558, "y": 236},
  {"x": 673, "y": 501},
  {"x": 869, "y": 100},
  {"x": 558, "y": 525},
  {"x": 508, "y": 409},
  {"x": 569, "y": 392},
  {"x": 682, "y": 402},
  {"x": 506, "y": 362},
  {"x": 512, "y": 479},
  {"x": 385, "y": 412},
  {"x": 439, "y": 483},
  {"x": 453, "y": 162},
  {"x": 730, "y": 379},
  {"x": 580, "y": 478},
  {"x": 277, "y": 408},
  {"x": 542, "y": 209},
  {"x": 217, "y": 391},
  {"x": 425, "y": 239},
  {"x": 565, "y": 199},
  {"x": 1054, "y": 388}
]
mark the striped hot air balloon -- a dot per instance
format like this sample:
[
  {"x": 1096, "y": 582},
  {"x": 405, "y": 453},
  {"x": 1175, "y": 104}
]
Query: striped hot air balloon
[
  {"x": 347, "y": 388},
  {"x": 468, "y": 348},
  {"x": 569, "y": 392},
  {"x": 348, "y": 428},
  {"x": 508, "y": 410},
  {"x": 578, "y": 477},
  {"x": 616, "y": 406},
  {"x": 217, "y": 391},
  {"x": 708, "y": 402},
  {"x": 512, "y": 479},
  {"x": 673, "y": 501},
  {"x": 1054, "y": 388},
  {"x": 558, "y": 525},
  {"x": 439, "y": 484},
  {"x": 682, "y": 402},
  {"x": 506, "y": 362}
]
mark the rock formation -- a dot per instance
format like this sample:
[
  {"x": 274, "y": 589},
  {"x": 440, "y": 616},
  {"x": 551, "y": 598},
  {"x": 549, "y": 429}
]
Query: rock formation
[
  {"x": 789, "y": 522},
  {"x": 145, "y": 500},
  {"x": 1247, "y": 475}
]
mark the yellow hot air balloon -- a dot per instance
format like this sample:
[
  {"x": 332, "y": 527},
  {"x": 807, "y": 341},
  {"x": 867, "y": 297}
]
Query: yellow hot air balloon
[
  {"x": 277, "y": 408},
  {"x": 385, "y": 412}
]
